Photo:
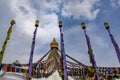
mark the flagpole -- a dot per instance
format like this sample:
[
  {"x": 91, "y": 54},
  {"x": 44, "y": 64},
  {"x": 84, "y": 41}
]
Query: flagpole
[
  {"x": 32, "y": 51},
  {"x": 6, "y": 40},
  {"x": 117, "y": 49},
  {"x": 64, "y": 63},
  {"x": 90, "y": 51}
]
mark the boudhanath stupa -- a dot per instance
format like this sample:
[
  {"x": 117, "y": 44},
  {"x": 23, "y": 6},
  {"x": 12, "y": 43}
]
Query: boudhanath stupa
[{"x": 56, "y": 64}]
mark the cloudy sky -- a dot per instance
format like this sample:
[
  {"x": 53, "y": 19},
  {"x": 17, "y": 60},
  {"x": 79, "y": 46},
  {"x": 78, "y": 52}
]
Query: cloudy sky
[{"x": 72, "y": 12}]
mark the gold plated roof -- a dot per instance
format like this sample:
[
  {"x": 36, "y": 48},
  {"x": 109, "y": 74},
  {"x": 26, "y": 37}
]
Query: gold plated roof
[{"x": 54, "y": 44}]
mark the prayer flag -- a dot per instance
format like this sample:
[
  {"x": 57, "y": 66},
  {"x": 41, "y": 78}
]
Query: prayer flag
[
  {"x": 31, "y": 54},
  {"x": 65, "y": 77},
  {"x": 92, "y": 60},
  {"x": 117, "y": 49}
]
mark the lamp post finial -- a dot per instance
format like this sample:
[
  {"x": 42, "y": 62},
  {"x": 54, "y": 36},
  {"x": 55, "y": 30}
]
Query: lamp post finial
[
  {"x": 60, "y": 24},
  {"x": 83, "y": 25},
  {"x": 36, "y": 23},
  {"x": 12, "y": 22},
  {"x": 106, "y": 25}
]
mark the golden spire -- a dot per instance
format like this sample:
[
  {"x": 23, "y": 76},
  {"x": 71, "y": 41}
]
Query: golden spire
[{"x": 54, "y": 44}]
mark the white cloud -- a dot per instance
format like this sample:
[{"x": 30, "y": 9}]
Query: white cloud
[
  {"x": 25, "y": 16},
  {"x": 25, "y": 13},
  {"x": 80, "y": 9},
  {"x": 115, "y": 3},
  {"x": 47, "y": 5}
]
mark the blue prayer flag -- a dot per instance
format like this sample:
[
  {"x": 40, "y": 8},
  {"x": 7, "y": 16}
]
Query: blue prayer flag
[{"x": 117, "y": 49}]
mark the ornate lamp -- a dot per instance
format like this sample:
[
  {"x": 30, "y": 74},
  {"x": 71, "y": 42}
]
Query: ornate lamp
[
  {"x": 60, "y": 24},
  {"x": 12, "y": 22},
  {"x": 83, "y": 25},
  {"x": 106, "y": 25},
  {"x": 36, "y": 23}
]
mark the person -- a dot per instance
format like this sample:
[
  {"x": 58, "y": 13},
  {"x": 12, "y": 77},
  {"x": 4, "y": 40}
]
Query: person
[{"x": 16, "y": 63}]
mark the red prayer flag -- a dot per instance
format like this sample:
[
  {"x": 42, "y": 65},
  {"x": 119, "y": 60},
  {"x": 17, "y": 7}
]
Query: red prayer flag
[{"x": 13, "y": 69}]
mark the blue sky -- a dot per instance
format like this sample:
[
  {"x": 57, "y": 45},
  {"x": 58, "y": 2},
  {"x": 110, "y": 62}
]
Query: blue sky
[{"x": 72, "y": 12}]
